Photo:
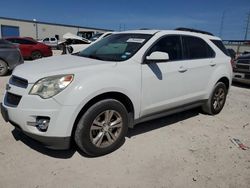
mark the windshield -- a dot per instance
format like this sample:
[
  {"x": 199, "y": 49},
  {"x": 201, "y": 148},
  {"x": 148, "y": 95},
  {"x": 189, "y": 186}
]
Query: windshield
[
  {"x": 116, "y": 47},
  {"x": 95, "y": 37}
]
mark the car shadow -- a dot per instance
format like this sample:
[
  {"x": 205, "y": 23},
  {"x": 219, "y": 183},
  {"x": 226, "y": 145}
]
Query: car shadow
[
  {"x": 241, "y": 85},
  {"x": 156, "y": 70},
  {"x": 140, "y": 128},
  {"x": 162, "y": 122},
  {"x": 63, "y": 154}
]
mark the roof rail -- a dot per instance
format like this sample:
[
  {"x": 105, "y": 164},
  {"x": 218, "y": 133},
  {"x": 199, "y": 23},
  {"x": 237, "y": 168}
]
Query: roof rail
[{"x": 193, "y": 30}]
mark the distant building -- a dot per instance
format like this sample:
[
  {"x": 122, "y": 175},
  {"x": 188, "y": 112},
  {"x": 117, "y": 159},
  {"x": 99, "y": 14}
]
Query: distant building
[{"x": 39, "y": 30}]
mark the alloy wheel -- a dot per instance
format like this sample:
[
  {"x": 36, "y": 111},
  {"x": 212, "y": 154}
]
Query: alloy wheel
[
  {"x": 106, "y": 128},
  {"x": 219, "y": 99}
]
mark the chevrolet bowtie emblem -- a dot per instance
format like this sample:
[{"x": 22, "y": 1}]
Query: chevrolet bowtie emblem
[{"x": 7, "y": 87}]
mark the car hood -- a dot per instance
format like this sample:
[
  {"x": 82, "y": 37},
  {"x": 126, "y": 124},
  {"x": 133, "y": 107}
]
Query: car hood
[{"x": 63, "y": 64}]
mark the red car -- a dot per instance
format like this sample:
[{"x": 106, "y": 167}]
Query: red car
[{"x": 31, "y": 49}]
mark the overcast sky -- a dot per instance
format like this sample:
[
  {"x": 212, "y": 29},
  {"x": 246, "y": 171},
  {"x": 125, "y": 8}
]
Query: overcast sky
[{"x": 135, "y": 14}]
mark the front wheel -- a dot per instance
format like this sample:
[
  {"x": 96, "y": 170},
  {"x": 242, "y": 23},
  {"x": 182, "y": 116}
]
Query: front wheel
[
  {"x": 36, "y": 55},
  {"x": 102, "y": 128},
  {"x": 216, "y": 101}
]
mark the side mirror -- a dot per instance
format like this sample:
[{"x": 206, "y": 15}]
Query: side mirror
[{"x": 157, "y": 57}]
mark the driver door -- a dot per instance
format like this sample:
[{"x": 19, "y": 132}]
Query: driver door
[{"x": 162, "y": 87}]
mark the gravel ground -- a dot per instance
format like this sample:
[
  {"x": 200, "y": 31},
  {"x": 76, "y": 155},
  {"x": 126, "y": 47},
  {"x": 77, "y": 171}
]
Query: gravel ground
[{"x": 188, "y": 149}]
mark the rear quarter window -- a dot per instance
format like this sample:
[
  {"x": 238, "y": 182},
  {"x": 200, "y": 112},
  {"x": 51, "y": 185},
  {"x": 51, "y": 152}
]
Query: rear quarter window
[
  {"x": 196, "y": 48},
  {"x": 221, "y": 46}
]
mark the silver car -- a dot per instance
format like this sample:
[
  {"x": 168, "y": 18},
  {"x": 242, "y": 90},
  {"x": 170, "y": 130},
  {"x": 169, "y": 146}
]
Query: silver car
[{"x": 10, "y": 57}]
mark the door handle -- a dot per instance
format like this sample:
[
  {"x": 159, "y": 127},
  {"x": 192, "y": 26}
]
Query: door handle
[
  {"x": 212, "y": 63},
  {"x": 182, "y": 69}
]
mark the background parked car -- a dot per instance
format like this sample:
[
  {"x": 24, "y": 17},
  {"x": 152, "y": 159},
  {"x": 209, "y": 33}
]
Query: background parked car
[
  {"x": 74, "y": 48},
  {"x": 71, "y": 39},
  {"x": 241, "y": 69},
  {"x": 10, "y": 57},
  {"x": 31, "y": 49},
  {"x": 52, "y": 41},
  {"x": 85, "y": 34}
]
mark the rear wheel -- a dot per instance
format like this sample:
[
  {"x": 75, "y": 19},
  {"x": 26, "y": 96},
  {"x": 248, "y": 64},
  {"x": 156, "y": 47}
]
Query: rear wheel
[
  {"x": 36, "y": 55},
  {"x": 217, "y": 99},
  {"x": 3, "y": 68},
  {"x": 102, "y": 128}
]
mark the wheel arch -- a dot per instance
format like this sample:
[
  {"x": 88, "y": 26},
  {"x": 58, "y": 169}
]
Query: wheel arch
[
  {"x": 124, "y": 99},
  {"x": 4, "y": 61},
  {"x": 226, "y": 81},
  {"x": 36, "y": 50}
]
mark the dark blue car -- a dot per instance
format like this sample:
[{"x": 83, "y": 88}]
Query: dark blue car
[{"x": 10, "y": 57}]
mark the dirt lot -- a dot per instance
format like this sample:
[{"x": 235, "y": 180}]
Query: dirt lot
[{"x": 188, "y": 149}]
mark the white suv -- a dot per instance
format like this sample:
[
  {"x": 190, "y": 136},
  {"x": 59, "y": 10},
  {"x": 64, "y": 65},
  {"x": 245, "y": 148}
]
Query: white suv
[{"x": 93, "y": 97}]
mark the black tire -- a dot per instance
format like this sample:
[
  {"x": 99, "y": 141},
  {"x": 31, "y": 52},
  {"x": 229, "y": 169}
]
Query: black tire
[
  {"x": 3, "y": 68},
  {"x": 217, "y": 99},
  {"x": 36, "y": 55},
  {"x": 96, "y": 136}
]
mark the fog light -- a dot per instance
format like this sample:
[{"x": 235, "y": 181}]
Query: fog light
[{"x": 42, "y": 124}]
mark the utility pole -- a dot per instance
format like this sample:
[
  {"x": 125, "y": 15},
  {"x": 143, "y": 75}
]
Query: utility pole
[
  {"x": 222, "y": 24},
  {"x": 247, "y": 26},
  {"x": 35, "y": 24}
]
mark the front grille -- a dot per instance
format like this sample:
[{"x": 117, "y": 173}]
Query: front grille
[
  {"x": 244, "y": 61},
  {"x": 247, "y": 76},
  {"x": 245, "y": 67},
  {"x": 12, "y": 99},
  {"x": 19, "y": 82}
]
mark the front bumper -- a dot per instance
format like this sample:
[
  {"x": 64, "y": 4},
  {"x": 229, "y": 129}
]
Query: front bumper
[
  {"x": 59, "y": 143},
  {"x": 23, "y": 110},
  {"x": 241, "y": 77}
]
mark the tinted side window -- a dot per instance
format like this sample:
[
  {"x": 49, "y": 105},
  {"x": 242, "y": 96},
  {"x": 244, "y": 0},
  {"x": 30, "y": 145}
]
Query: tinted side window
[
  {"x": 169, "y": 44},
  {"x": 196, "y": 48},
  {"x": 23, "y": 41},
  {"x": 221, "y": 46},
  {"x": 18, "y": 41},
  {"x": 11, "y": 40}
]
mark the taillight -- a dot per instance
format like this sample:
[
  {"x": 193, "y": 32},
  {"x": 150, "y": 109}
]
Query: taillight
[{"x": 233, "y": 63}]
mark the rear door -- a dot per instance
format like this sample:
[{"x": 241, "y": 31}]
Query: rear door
[{"x": 199, "y": 66}]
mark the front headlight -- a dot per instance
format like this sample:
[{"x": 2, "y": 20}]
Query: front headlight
[{"x": 50, "y": 86}]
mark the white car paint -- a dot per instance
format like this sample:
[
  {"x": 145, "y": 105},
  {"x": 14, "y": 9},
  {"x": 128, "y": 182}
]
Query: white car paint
[{"x": 178, "y": 83}]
